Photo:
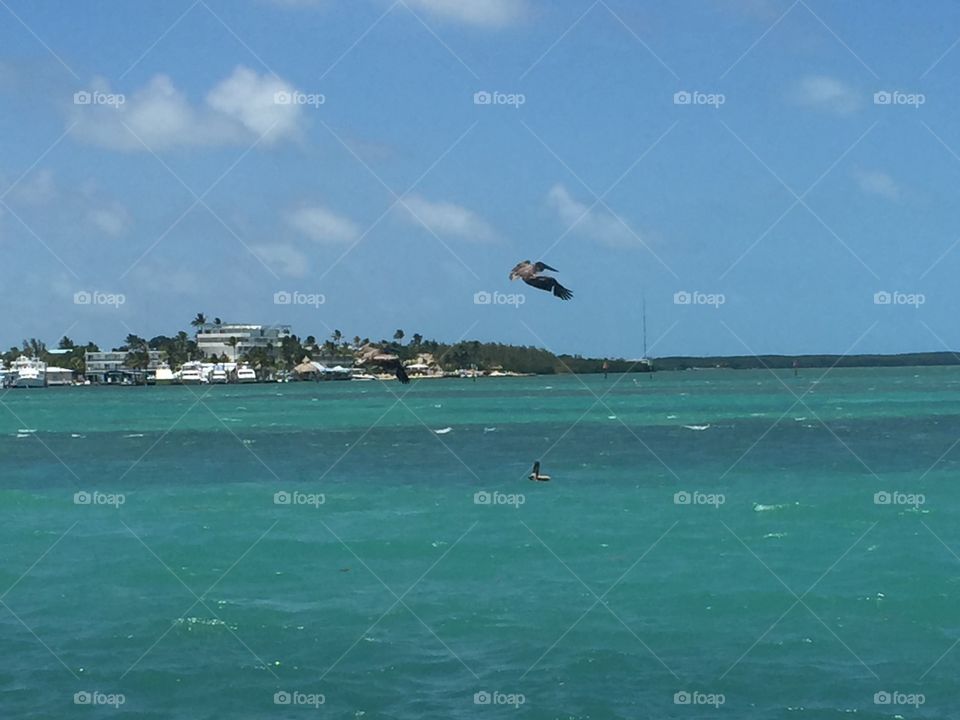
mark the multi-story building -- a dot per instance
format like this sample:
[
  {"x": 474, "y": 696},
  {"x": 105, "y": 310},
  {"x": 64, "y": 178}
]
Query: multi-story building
[
  {"x": 236, "y": 339},
  {"x": 107, "y": 366}
]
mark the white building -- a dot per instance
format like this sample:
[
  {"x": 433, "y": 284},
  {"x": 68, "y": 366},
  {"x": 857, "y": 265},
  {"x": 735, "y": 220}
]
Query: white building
[{"x": 218, "y": 340}]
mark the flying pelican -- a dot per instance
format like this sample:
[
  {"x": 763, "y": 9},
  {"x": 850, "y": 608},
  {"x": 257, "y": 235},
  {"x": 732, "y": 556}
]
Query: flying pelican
[
  {"x": 376, "y": 356},
  {"x": 535, "y": 473},
  {"x": 527, "y": 271}
]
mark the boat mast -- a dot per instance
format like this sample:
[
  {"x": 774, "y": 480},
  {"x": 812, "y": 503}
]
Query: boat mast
[{"x": 643, "y": 303}]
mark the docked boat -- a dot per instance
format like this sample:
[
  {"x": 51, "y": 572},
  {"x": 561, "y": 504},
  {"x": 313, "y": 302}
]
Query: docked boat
[
  {"x": 246, "y": 374},
  {"x": 26, "y": 372},
  {"x": 218, "y": 376},
  {"x": 191, "y": 373},
  {"x": 164, "y": 375}
]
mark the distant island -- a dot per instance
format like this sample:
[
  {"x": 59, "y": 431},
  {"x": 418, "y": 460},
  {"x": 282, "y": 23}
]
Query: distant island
[{"x": 275, "y": 351}]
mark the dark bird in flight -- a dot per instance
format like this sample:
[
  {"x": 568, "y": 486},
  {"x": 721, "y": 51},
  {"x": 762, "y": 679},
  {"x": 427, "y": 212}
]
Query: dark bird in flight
[
  {"x": 528, "y": 272},
  {"x": 391, "y": 363}
]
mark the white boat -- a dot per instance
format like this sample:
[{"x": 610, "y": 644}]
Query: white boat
[
  {"x": 246, "y": 374},
  {"x": 28, "y": 372},
  {"x": 191, "y": 373},
  {"x": 164, "y": 375},
  {"x": 362, "y": 377},
  {"x": 218, "y": 376}
]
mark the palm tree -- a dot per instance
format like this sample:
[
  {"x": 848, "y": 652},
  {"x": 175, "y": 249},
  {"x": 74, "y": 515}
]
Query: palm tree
[
  {"x": 232, "y": 342},
  {"x": 417, "y": 339},
  {"x": 337, "y": 336},
  {"x": 356, "y": 341},
  {"x": 200, "y": 321},
  {"x": 398, "y": 335}
]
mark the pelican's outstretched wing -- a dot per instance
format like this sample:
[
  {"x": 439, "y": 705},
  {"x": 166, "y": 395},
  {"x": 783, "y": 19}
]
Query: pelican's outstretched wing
[
  {"x": 402, "y": 373},
  {"x": 550, "y": 285}
]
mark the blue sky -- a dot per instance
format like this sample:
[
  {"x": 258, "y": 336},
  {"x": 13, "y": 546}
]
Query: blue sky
[{"x": 786, "y": 189}]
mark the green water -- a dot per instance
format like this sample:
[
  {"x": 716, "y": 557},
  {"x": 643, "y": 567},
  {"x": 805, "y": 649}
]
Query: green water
[{"x": 384, "y": 589}]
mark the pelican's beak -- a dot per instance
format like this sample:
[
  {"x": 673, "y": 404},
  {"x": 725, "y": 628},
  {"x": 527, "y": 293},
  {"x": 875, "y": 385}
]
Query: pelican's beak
[{"x": 547, "y": 267}]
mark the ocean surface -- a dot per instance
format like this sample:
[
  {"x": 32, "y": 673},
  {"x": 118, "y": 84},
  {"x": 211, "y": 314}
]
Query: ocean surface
[{"x": 712, "y": 544}]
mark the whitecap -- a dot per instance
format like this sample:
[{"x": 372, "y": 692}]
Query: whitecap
[
  {"x": 443, "y": 431},
  {"x": 611, "y": 417},
  {"x": 697, "y": 427},
  {"x": 489, "y": 429},
  {"x": 77, "y": 435},
  {"x": 27, "y": 430},
  {"x": 134, "y": 435}
]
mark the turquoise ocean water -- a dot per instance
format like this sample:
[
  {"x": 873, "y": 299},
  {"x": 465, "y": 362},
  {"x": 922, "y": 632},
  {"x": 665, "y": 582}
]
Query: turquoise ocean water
[{"x": 378, "y": 583}]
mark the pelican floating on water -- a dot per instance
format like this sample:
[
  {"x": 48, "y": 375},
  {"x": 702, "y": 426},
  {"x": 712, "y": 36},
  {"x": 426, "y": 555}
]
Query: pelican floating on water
[
  {"x": 527, "y": 271},
  {"x": 535, "y": 473}
]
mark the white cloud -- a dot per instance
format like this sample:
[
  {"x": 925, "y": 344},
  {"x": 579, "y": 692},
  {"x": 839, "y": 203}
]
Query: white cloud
[
  {"x": 479, "y": 13},
  {"x": 599, "y": 225},
  {"x": 237, "y": 110},
  {"x": 826, "y": 93},
  {"x": 448, "y": 219},
  {"x": 37, "y": 188},
  {"x": 112, "y": 221},
  {"x": 875, "y": 182},
  {"x": 285, "y": 259},
  {"x": 482, "y": 13},
  {"x": 322, "y": 225}
]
